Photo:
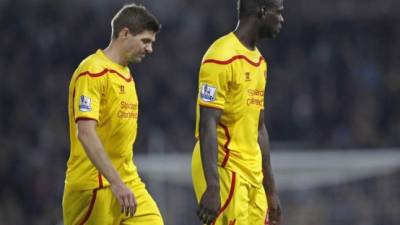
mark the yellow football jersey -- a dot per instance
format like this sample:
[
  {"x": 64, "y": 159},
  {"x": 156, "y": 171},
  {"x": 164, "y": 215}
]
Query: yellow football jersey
[
  {"x": 104, "y": 91},
  {"x": 233, "y": 78}
]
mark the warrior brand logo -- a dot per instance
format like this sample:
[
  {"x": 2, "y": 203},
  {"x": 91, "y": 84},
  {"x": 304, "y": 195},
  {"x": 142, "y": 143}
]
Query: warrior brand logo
[
  {"x": 247, "y": 76},
  {"x": 85, "y": 104},
  {"x": 122, "y": 89},
  {"x": 207, "y": 93}
]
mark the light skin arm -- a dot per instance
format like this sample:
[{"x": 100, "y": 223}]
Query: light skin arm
[
  {"x": 274, "y": 206},
  {"x": 210, "y": 202},
  {"x": 95, "y": 151}
]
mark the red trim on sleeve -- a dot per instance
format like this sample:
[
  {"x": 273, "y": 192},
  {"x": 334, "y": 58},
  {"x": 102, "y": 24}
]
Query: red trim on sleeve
[
  {"x": 90, "y": 209},
  {"x": 103, "y": 73},
  {"x": 236, "y": 57},
  {"x": 226, "y": 149},
  {"x": 84, "y": 118},
  {"x": 91, "y": 74},
  {"x": 228, "y": 200},
  {"x": 210, "y": 106}
]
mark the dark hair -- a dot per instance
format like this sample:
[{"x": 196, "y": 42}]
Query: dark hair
[
  {"x": 248, "y": 8},
  {"x": 136, "y": 18}
]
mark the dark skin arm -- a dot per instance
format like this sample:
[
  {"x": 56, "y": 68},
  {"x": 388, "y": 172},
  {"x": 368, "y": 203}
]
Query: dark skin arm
[
  {"x": 274, "y": 206},
  {"x": 210, "y": 202}
]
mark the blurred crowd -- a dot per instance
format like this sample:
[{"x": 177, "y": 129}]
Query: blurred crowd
[
  {"x": 369, "y": 201},
  {"x": 332, "y": 84}
]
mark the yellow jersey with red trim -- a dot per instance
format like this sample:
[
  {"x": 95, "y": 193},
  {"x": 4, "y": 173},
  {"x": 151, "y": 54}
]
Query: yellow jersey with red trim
[
  {"x": 232, "y": 78},
  {"x": 104, "y": 91}
]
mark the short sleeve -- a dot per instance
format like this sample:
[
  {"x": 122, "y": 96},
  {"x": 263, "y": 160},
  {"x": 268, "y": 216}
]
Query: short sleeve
[
  {"x": 214, "y": 82},
  {"x": 88, "y": 93}
]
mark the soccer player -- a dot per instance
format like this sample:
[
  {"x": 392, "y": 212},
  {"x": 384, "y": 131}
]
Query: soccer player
[
  {"x": 102, "y": 186},
  {"x": 231, "y": 168}
]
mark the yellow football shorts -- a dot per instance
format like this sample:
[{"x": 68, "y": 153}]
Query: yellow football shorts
[
  {"x": 241, "y": 203},
  {"x": 100, "y": 207}
]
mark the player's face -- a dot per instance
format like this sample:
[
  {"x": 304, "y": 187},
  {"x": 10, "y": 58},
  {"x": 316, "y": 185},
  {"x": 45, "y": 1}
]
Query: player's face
[
  {"x": 273, "y": 20},
  {"x": 138, "y": 46}
]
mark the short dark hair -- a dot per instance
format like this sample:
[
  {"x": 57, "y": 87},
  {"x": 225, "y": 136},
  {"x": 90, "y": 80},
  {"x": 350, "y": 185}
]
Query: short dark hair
[
  {"x": 248, "y": 8},
  {"x": 134, "y": 17}
]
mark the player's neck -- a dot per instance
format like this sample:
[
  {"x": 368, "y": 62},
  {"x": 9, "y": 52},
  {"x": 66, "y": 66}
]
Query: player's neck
[
  {"x": 247, "y": 34},
  {"x": 114, "y": 54}
]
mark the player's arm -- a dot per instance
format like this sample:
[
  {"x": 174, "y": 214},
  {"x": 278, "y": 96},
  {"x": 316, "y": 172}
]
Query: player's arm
[
  {"x": 210, "y": 201},
  {"x": 90, "y": 141},
  {"x": 274, "y": 207}
]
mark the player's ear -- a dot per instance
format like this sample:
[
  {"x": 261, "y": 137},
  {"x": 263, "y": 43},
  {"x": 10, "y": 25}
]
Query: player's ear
[{"x": 123, "y": 33}]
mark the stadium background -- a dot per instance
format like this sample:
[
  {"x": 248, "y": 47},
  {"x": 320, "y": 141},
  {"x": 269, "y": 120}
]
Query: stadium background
[{"x": 333, "y": 97}]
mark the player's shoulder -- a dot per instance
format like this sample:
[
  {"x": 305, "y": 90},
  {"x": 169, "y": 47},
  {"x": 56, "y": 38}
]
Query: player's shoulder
[
  {"x": 92, "y": 66},
  {"x": 221, "y": 49},
  {"x": 91, "y": 63}
]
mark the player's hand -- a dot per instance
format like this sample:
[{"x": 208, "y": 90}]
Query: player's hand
[
  {"x": 209, "y": 205},
  {"x": 126, "y": 198},
  {"x": 274, "y": 210}
]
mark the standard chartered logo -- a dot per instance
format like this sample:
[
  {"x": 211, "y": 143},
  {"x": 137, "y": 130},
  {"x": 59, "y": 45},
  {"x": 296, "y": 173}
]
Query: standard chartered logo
[{"x": 128, "y": 110}]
